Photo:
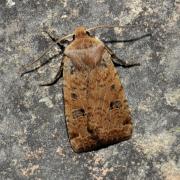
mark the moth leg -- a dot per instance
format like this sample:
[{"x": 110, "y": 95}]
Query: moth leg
[
  {"x": 119, "y": 62},
  {"x": 41, "y": 65},
  {"x": 61, "y": 46},
  {"x": 57, "y": 77}
]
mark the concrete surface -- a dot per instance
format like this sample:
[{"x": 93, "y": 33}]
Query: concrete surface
[{"x": 33, "y": 138}]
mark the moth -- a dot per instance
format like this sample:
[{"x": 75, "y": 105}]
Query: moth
[{"x": 96, "y": 108}]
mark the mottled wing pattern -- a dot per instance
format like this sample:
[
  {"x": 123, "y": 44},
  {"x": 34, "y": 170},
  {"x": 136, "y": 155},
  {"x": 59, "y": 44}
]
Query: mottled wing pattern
[{"x": 96, "y": 109}]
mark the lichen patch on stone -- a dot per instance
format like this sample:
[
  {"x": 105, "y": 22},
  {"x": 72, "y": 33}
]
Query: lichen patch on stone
[
  {"x": 47, "y": 101},
  {"x": 10, "y": 3},
  {"x": 169, "y": 170},
  {"x": 151, "y": 144},
  {"x": 173, "y": 98}
]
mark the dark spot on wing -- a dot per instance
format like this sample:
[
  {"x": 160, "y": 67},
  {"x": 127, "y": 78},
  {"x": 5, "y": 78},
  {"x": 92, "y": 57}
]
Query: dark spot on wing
[
  {"x": 127, "y": 121},
  {"x": 78, "y": 113},
  {"x": 74, "y": 96},
  {"x": 112, "y": 86},
  {"x": 116, "y": 104},
  {"x": 72, "y": 70}
]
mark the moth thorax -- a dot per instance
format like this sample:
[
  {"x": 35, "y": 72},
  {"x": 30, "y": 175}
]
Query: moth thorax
[{"x": 80, "y": 32}]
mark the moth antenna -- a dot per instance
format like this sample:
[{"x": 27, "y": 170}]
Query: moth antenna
[
  {"x": 44, "y": 53},
  {"x": 104, "y": 26}
]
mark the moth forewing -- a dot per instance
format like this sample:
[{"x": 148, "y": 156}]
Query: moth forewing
[{"x": 96, "y": 110}]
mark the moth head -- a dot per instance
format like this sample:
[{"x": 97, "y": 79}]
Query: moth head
[{"x": 81, "y": 32}]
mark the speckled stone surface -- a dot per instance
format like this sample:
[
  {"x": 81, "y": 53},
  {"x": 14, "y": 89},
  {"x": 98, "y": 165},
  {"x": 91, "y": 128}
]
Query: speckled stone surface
[{"x": 33, "y": 138}]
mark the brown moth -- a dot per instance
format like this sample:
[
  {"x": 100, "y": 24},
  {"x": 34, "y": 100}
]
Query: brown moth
[{"x": 96, "y": 109}]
